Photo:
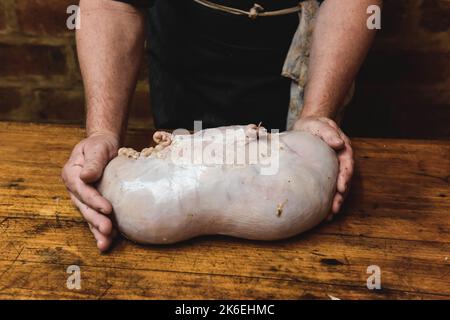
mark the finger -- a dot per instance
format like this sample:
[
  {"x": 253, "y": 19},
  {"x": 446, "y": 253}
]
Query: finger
[
  {"x": 76, "y": 159},
  {"x": 84, "y": 192},
  {"x": 90, "y": 196},
  {"x": 331, "y": 123},
  {"x": 345, "y": 173},
  {"x": 77, "y": 154},
  {"x": 346, "y": 167},
  {"x": 99, "y": 221},
  {"x": 96, "y": 156},
  {"x": 331, "y": 137},
  {"x": 103, "y": 242},
  {"x": 70, "y": 175},
  {"x": 337, "y": 203}
]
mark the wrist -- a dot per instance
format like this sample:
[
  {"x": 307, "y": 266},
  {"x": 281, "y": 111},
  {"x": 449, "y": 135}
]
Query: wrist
[
  {"x": 110, "y": 135},
  {"x": 315, "y": 115},
  {"x": 102, "y": 120},
  {"x": 317, "y": 110},
  {"x": 326, "y": 105}
]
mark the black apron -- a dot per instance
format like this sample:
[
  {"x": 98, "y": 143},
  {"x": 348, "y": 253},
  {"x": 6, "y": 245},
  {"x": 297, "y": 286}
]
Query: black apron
[{"x": 216, "y": 67}]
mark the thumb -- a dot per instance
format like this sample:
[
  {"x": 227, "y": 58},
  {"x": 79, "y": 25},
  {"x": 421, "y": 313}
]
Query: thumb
[
  {"x": 95, "y": 160},
  {"x": 335, "y": 142}
]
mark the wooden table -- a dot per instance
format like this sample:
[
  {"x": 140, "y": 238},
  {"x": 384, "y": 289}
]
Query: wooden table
[{"x": 397, "y": 217}]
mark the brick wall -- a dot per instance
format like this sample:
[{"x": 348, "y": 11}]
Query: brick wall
[
  {"x": 39, "y": 75},
  {"x": 403, "y": 89}
]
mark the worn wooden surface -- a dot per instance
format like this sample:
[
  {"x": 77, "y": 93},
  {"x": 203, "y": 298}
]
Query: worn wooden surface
[{"x": 397, "y": 217}]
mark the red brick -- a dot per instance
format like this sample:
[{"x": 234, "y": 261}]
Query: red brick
[
  {"x": 61, "y": 106},
  {"x": 11, "y": 100},
  {"x": 43, "y": 16},
  {"x": 2, "y": 18},
  {"x": 435, "y": 15},
  {"x": 77, "y": 76},
  {"x": 22, "y": 60},
  {"x": 68, "y": 106}
]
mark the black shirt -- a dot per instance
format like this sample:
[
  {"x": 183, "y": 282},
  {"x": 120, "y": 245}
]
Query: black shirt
[{"x": 217, "y": 67}]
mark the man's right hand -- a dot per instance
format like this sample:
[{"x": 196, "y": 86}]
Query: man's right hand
[{"x": 84, "y": 167}]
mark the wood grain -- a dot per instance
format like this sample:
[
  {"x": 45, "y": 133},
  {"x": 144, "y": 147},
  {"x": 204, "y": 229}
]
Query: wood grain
[{"x": 396, "y": 217}]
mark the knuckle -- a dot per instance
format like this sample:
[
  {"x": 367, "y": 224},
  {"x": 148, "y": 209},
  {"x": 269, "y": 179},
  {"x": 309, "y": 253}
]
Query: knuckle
[
  {"x": 76, "y": 194},
  {"x": 90, "y": 165},
  {"x": 68, "y": 183},
  {"x": 79, "y": 147},
  {"x": 91, "y": 198},
  {"x": 77, "y": 187},
  {"x": 88, "y": 218},
  {"x": 78, "y": 205},
  {"x": 346, "y": 155},
  {"x": 95, "y": 161},
  {"x": 93, "y": 165},
  {"x": 332, "y": 123},
  {"x": 347, "y": 174},
  {"x": 84, "y": 209},
  {"x": 329, "y": 132},
  {"x": 98, "y": 147}
]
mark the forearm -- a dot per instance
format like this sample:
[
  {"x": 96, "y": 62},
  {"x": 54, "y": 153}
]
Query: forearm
[
  {"x": 110, "y": 47},
  {"x": 340, "y": 43}
]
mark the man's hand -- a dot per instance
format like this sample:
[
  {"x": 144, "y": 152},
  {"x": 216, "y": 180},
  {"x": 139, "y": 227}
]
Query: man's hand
[
  {"x": 328, "y": 131},
  {"x": 84, "y": 167},
  {"x": 115, "y": 30},
  {"x": 340, "y": 44}
]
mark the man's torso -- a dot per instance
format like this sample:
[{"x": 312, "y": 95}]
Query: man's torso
[{"x": 217, "y": 67}]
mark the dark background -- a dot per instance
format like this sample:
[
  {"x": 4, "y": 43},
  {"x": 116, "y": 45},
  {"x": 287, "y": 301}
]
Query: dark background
[{"x": 403, "y": 90}]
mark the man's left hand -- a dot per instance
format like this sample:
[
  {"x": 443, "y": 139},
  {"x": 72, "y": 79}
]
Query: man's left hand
[{"x": 329, "y": 131}]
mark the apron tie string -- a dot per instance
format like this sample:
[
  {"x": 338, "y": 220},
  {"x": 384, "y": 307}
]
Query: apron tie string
[{"x": 256, "y": 11}]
